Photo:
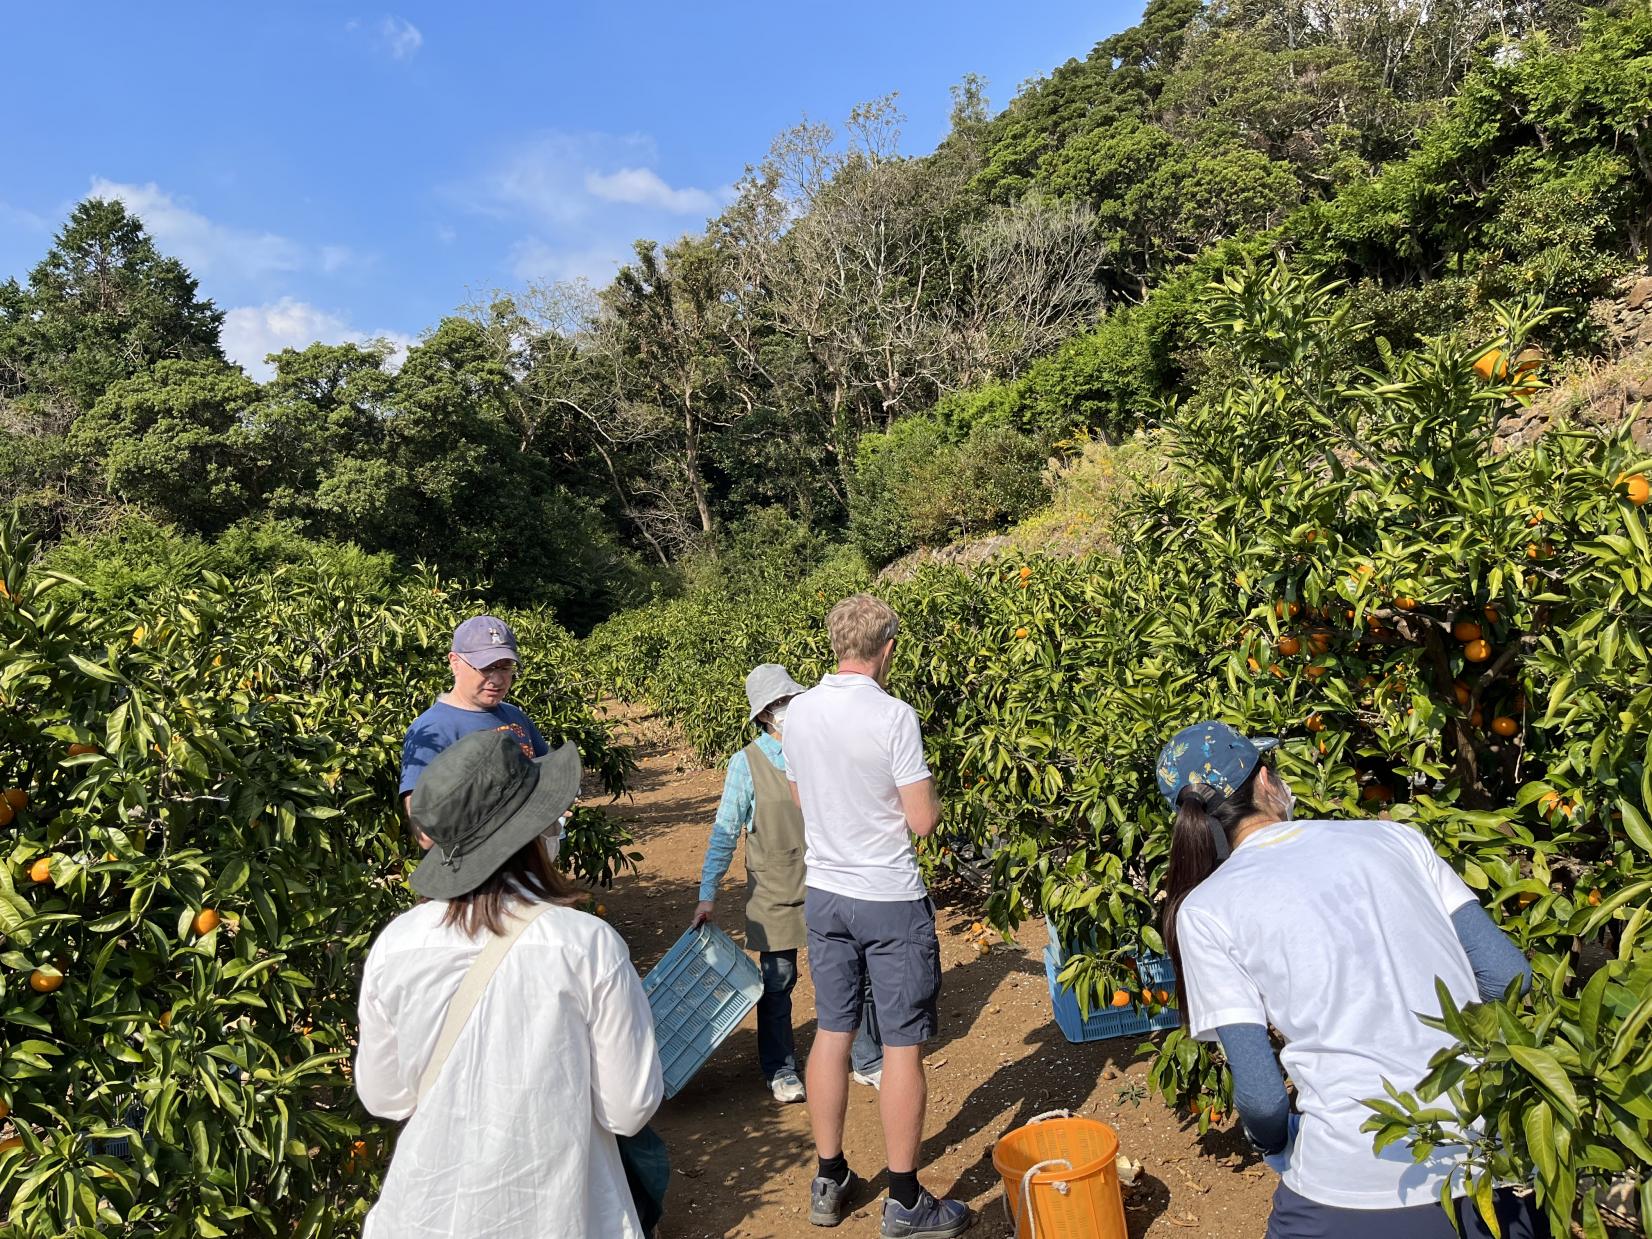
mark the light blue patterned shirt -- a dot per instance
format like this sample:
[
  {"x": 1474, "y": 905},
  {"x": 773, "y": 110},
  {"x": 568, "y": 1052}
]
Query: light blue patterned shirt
[{"x": 734, "y": 814}]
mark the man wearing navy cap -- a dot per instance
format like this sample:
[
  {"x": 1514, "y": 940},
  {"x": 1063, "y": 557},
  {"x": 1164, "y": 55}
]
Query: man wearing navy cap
[{"x": 484, "y": 661}]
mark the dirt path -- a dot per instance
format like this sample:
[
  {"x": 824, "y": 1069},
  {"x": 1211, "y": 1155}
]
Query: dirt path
[{"x": 743, "y": 1162}]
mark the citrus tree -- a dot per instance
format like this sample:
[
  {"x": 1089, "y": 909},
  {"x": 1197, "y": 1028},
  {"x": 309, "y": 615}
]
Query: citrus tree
[
  {"x": 199, "y": 838},
  {"x": 1444, "y": 629}
]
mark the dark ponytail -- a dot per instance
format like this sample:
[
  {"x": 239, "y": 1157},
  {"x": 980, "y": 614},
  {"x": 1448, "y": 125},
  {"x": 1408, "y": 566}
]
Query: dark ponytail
[{"x": 1199, "y": 841}]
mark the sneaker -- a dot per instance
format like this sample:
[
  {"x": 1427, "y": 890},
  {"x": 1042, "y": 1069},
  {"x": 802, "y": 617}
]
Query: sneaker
[
  {"x": 872, "y": 1079},
  {"x": 786, "y": 1087},
  {"x": 928, "y": 1219},
  {"x": 826, "y": 1199}
]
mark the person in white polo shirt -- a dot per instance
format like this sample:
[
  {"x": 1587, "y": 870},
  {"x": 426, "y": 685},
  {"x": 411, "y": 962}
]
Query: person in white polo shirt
[
  {"x": 855, "y": 757},
  {"x": 1335, "y": 934}
]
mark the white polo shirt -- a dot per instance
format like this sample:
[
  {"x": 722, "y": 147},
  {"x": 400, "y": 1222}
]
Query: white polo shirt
[
  {"x": 850, "y": 747},
  {"x": 1334, "y": 932}
]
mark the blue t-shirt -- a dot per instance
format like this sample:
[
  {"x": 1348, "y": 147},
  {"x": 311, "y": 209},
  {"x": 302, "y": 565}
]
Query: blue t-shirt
[{"x": 442, "y": 724}]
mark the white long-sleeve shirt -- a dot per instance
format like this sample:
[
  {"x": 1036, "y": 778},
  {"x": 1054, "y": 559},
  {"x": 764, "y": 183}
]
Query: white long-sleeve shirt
[{"x": 516, "y": 1137}]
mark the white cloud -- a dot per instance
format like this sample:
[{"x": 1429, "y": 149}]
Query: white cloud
[
  {"x": 583, "y": 198},
  {"x": 251, "y": 332},
  {"x": 209, "y": 248},
  {"x": 533, "y": 259},
  {"x": 396, "y": 37},
  {"x": 644, "y": 187},
  {"x": 400, "y": 37},
  {"x": 22, "y": 219}
]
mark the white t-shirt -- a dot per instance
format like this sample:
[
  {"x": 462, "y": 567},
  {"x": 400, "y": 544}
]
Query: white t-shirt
[
  {"x": 1334, "y": 933},
  {"x": 850, "y": 747},
  {"x": 516, "y": 1137}
]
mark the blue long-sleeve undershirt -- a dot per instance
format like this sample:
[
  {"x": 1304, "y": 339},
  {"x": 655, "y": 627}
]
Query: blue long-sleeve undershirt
[{"x": 1258, "y": 1084}]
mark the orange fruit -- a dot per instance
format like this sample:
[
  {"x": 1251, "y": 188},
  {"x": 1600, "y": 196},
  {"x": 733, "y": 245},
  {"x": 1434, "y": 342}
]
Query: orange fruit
[
  {"x": 1025, "y": 572},
  {"x": 1313, "y": 673},
  {"x": 602, "y": 910},
  {"x": 1021, "y": 634},
  {"x": 1376, "y": 793},
  {"x": 1477, "y": 718},
  {"x": 1275, "y": 669},
  {"x": 1526, "y": 898},
  {"x": 1462, "y": 692},
  {"x": 1162, "y": 995},
  {"x": 1147, "y": 996},
  {"x": 1253, "y": 664},
  {"x": 80, "y": 750},
  {"x": 6, "y": 814},
  {"x": 206, "y": 920},
  {"x": 43, "y": 982},
  {"x": 41, "y": 870},
  {"x": 1289, "y": 646},
  {"x": 1319, "y": 641},
  {"x": 1594, "y": 898},
  {"x": 1466, "y": 631},
  {"x": 1215, "y": 1115},
  {"x": 1121, "y": 998},
  {"x": 1535, "y": 519},
  {"x": 1315, "y": 723},
  {"x": 1549, "y": 802},
  {"x": 977, "y": 928},
  {"x": 11, "y": 1142},
  {"x": 1490, "y": 365},
  {"x": 1477, "y": 651},
  {"x": 1540, "y": 550},
  {"x": 1493, "y": 616},
  {"x": 1504, "y": 726},
  {"x": 1284, "y": 609},
  {"x": 166, "y": 1018},
  {"x": 16, "y": 799},
  {"x": 1636, "y": 488},
  {"x": 1405, "y": 603}
]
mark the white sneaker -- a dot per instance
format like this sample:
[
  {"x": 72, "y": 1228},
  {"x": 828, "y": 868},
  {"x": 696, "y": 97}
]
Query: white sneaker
[
  {"x": 786, "y": 1087},
  {"x": 873, "y": 1079}
]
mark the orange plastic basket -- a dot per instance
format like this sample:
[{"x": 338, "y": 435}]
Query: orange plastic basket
[{"x": 1060, "y": 1178}]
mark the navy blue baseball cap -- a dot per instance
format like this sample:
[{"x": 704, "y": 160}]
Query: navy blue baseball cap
[
  {"x": 1209, "y": 754},
  {"x": 484, "y": 640}
]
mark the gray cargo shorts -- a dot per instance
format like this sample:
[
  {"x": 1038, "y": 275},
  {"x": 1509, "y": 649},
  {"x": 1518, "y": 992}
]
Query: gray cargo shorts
[{"x": 892, "y": 943}]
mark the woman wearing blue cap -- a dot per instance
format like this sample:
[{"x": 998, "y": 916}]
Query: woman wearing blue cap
[{"x": 1334, "y": 934}]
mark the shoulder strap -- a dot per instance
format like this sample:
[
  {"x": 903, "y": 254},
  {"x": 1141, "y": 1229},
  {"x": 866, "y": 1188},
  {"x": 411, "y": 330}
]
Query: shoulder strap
[{"x": 470, "y": 990}]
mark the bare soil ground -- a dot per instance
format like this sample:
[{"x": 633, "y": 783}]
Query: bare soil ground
[{"x": 743, "y": 1162}]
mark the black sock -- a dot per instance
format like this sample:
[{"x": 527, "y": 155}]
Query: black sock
[
  {"x": 903, "y": 1187},
  {"x": 834, "y": 1168}
]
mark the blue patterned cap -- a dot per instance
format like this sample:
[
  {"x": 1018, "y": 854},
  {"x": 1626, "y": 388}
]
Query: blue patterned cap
[{"x": 1211, "y": 754}]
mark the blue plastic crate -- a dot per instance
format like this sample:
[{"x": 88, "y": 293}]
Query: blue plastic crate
[
  {"x": 1105, "y": 1022},
  {"x": 699, "y": 992}
]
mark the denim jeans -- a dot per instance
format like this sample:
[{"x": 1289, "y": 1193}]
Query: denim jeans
[{"x": 776, "y": 1051}]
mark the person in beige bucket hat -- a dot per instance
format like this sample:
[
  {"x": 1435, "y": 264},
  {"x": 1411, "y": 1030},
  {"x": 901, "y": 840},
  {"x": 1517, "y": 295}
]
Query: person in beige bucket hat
[{"x": 757, "y": 805}]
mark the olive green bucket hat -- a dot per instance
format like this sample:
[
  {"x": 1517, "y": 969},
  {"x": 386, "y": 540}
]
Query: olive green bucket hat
[{"x": 481, "y": 801}]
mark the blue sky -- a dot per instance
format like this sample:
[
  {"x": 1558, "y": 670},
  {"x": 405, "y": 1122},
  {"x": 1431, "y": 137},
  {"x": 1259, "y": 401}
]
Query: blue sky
[{"x": 332, "y": 172}]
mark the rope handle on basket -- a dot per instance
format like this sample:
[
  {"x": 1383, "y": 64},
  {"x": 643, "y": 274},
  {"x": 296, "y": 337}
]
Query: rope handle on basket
[
  {"x": 1037, "y": 1118},
  {"x": 1026, "y": 1190}
]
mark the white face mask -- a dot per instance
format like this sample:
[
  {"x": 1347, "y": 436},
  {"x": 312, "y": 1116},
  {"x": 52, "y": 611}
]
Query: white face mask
[
  {"x": 552, "y": 835},
  {"x": 777, "y": 715}
]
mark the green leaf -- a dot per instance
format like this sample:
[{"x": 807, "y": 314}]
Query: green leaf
[{"x": 1541, "y": 1065}]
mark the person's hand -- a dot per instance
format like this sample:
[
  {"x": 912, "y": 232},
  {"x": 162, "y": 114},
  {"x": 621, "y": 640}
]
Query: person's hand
[
  {"x": 702, "y": 914},
  {"x": 1280, "y": 1162}
]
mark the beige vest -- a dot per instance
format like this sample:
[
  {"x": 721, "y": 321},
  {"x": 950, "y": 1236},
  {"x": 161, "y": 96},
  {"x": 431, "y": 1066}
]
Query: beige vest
[{"x": 774, "y": 860}]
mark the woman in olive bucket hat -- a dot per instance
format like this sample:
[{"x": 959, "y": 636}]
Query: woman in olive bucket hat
[
  {"x": 512, "y": 1109},
  {"x": 1334, "y": 933}
]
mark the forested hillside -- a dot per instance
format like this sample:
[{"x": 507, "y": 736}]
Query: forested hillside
[{"x": 867, "y": 341}]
